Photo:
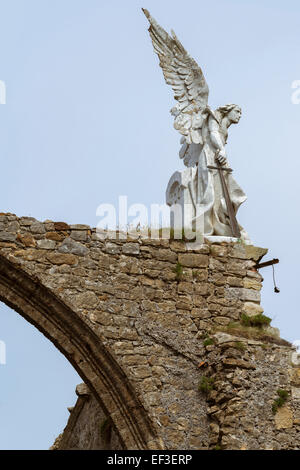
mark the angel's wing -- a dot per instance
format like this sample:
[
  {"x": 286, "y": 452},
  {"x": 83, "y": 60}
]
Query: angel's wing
[{"x": 185, "y": 77}]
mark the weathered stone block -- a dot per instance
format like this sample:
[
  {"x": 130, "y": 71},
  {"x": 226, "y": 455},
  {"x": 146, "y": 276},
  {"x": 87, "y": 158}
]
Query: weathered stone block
[
  {"x": 216, "y": 266},
  {"x": 295, "y": 376},
  {"x": 71, "y": 246},
  {"x": 26, "y": 239},
  {"x": 80, "y": 227},
  {"x": 284, "y": 418},
  {"x": 12, "y": 227},
  {"x": 112, "y": 248},
  {"x": 248, "y": 252},
  {"x": 242, "y": 294},
  {"x": 192, "y": 260},
  {"x": 252, "y": 284},
  {"x": 61, "y": 226},
  {"x": 37, "y": 228},
  {"x": 251, "y": 309},
  {"x": 235, "y": 281},
  {"x": 26, "y": 221},
  {"x": 218, "y": 250},
  {"x": 296, "y": 393},
  {"x": 79, "y": 235},
  {"x": 141, "y": 372},
  {"x": 230, "y": 362},
  {"x": 165, "y": 255},
  {"x": 7, "y": 237},
  {"x": 60, "y": 258},
  {"x": 178, "y": 246},
  {"x": 46, "y": 244},
  {"x": 237, "y": 267},
  {"x": 185, "y": 287},
  {"x": 222, "y": 320},
  {"x": 201, "y": 289},
  {"x": 83, "y": 390},
  {"x": 55, "y": 236},
  {"x": 131, "y": 249}
]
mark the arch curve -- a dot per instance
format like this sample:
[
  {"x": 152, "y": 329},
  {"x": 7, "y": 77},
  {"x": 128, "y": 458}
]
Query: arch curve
[{"x": 83, "y": 349}]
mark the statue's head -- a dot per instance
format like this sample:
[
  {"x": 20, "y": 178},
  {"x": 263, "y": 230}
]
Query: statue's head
[{"x": 232, "y": 111}]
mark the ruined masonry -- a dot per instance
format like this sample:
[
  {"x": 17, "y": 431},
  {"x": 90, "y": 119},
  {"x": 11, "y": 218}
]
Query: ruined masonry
[{"x": 155, "y": 331}]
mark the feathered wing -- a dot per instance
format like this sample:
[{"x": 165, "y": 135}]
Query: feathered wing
[{"x": 187, "y": 80}]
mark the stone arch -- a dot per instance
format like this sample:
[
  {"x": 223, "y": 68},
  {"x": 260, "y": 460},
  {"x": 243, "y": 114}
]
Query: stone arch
[
  {"x": 134, "y": 326},
  {"x": 83, "y": 349}
]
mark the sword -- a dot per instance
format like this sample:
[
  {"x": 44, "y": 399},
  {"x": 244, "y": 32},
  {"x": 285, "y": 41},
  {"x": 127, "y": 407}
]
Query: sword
[{"x": 233, "y": 222}]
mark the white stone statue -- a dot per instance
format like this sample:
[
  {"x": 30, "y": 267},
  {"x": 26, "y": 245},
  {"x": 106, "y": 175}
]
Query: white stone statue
[{"x": 199, "y": 190}]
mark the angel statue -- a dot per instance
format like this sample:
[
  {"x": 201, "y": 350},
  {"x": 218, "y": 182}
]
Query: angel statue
[{"x": 206, "y": 188}]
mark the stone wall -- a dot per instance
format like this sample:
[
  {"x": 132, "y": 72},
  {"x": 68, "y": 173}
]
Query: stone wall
[
  {"x": 88, "y": 427},
  {"x": 153, "y": 317}
]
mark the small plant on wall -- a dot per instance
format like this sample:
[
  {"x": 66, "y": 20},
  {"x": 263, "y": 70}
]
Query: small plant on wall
[
  {"x": 280, "y": 401},
  {"x": 179, "y": 271},
  {"x": 206, "y": 384}
]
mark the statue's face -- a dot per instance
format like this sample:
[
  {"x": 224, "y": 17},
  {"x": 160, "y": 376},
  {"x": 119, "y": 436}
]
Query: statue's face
[{"x": 235, "y": 115}]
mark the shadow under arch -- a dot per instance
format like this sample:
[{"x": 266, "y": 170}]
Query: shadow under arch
[{"x": 83, "y": 349}]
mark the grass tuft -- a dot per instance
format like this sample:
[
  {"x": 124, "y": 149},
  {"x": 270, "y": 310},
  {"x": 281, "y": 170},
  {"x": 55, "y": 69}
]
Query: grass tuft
[
  {"x": 280, "y": 401},
  {"x": 258, "y": 321},
  {"x": 206, "y": 384},
  {"x": 240, "y": 346},
  {"x": 208, "y": 342},
  {"x": 179, "y": 271}
]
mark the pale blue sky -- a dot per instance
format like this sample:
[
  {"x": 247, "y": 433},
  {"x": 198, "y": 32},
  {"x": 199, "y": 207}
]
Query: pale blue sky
[{"x": 87, "y": 119}]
